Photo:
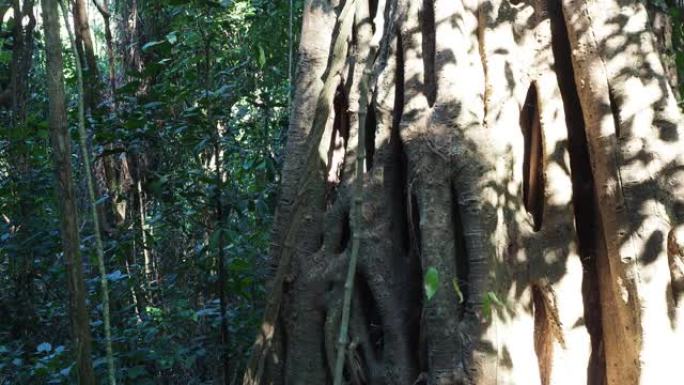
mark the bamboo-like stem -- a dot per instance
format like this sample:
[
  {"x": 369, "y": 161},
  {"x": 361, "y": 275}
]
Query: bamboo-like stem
[
  {"x": 365, "y": 54},
  {"x": 147, "y": 258},
  {"x": 93, "y": 203}
]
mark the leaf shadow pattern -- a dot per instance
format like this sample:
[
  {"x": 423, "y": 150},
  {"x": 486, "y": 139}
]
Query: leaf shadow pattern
[{"x": 578, "y": 282}]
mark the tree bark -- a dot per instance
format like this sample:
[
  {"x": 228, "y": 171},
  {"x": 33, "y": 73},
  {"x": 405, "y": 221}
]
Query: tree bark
[
  {"x": 103, "y": 8},
  {"x": 531, "y": 153},
  {"x": 17, "y": 102},
  {"x": 86, "y": 53},
  {"x": 99, "y": 247},
  {"x": 61, "y": 149}
]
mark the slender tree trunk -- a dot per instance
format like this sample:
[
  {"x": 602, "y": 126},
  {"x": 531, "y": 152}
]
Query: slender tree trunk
[
  {"x": 92, "y": 97},
  {"x": 86, "y": 52},
  {"x": 522, "y": 212},
  {"x": 130, "y": 36},
  {"x": 61, "y": 149},
  {"x": 220, "y": 261},
  {"x": 103, "y": 8},
  {"x": 92, "y": 197}
]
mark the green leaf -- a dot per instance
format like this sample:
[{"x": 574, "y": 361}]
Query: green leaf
[
  {"x": 43, "y": 134},
  {"x": 489, "y": 300},
  {"x": 213, "y": 240},
  {"x": 102, "y": 200},
  {"x": 171, "y": 37},
  {"x": 262, "y": 57},
  {"x": 135, "y": 372},
  {"x": 45, "y": 347},
  {"x": 152, "y": 44},
  {"x": 152, "y": 105},
  {"x": 115, "y": 276},
  {"x": 66, "y": 371},
  {"x": 431, "y": 282},
  {"x": 495, "y": 300}
]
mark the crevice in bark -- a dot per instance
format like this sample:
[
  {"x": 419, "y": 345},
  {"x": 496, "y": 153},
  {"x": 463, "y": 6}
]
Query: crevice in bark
[
  {"x": 338, "y": 139},
  {"x": 345, "y": 235},
  {"x": 404, "y": 220},
  {"x": 408, "y": 239},
  {"x": 675, "y": 255},
  {"x": 421, "y": 340},
  {"x": 584, "y": 201},
  {"x": 414, "y": 222},
  {"x": 398, "y": 90},
  {"x": 428, "y": 28},
  {"x": 462, "y": 265},
  {"x": 370, "y": 128},
  {"x": 408, "y": 228},
  {"x": 533, "y": 165},
  {"x": 373, "y": 8},
  {"x": 415, "y": 250},
  {"x": 615, "y": 112},
  {"x": 371, "y": 314}
]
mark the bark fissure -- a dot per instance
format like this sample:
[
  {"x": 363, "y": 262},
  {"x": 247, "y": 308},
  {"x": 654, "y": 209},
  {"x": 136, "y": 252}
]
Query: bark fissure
[
  {"x": 460, "y": 284},
  {"x": 584, "y": 201},
  {"x": 533, "y": 165},
  {"x": 615, "y": 112},
  {"x": 427, "y": 24},
  {"x": 370, "y": 128},
  {"x": 339, "y": 138}
]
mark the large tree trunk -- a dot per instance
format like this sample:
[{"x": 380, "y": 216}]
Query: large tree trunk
[{"x": 528, "y": 155}]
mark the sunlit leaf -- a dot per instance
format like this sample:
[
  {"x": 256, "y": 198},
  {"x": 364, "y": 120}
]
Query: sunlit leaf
[
  {"x": 45, "y": 347},
  {"x": 152, "y": 44},
  {"x": 431, "y": 282},
  {"x": 490, "y": 300},
  {"x": 262, "y": 57},
  {"x": 115, "y": 276},
  {"x": 171, "y": 37}
]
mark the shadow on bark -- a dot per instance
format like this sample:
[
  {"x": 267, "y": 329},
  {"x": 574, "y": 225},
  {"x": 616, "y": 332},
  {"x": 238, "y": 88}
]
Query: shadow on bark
[{"x": 530, "y": 154}]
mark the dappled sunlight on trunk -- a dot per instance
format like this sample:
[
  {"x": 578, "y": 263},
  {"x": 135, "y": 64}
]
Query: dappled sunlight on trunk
[{"x": 534, "y": 146}]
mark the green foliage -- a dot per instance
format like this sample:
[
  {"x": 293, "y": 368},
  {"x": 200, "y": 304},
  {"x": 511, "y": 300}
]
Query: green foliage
[
  {"x": 675, "y": 53},
  {"x": 431, "y": 282},
  {"x": 489, "y": 302},
  {"x": 212, "y": 77}
]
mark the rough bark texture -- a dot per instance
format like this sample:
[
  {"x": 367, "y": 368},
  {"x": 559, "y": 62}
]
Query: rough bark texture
[{"x": 530, "y": 152}]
